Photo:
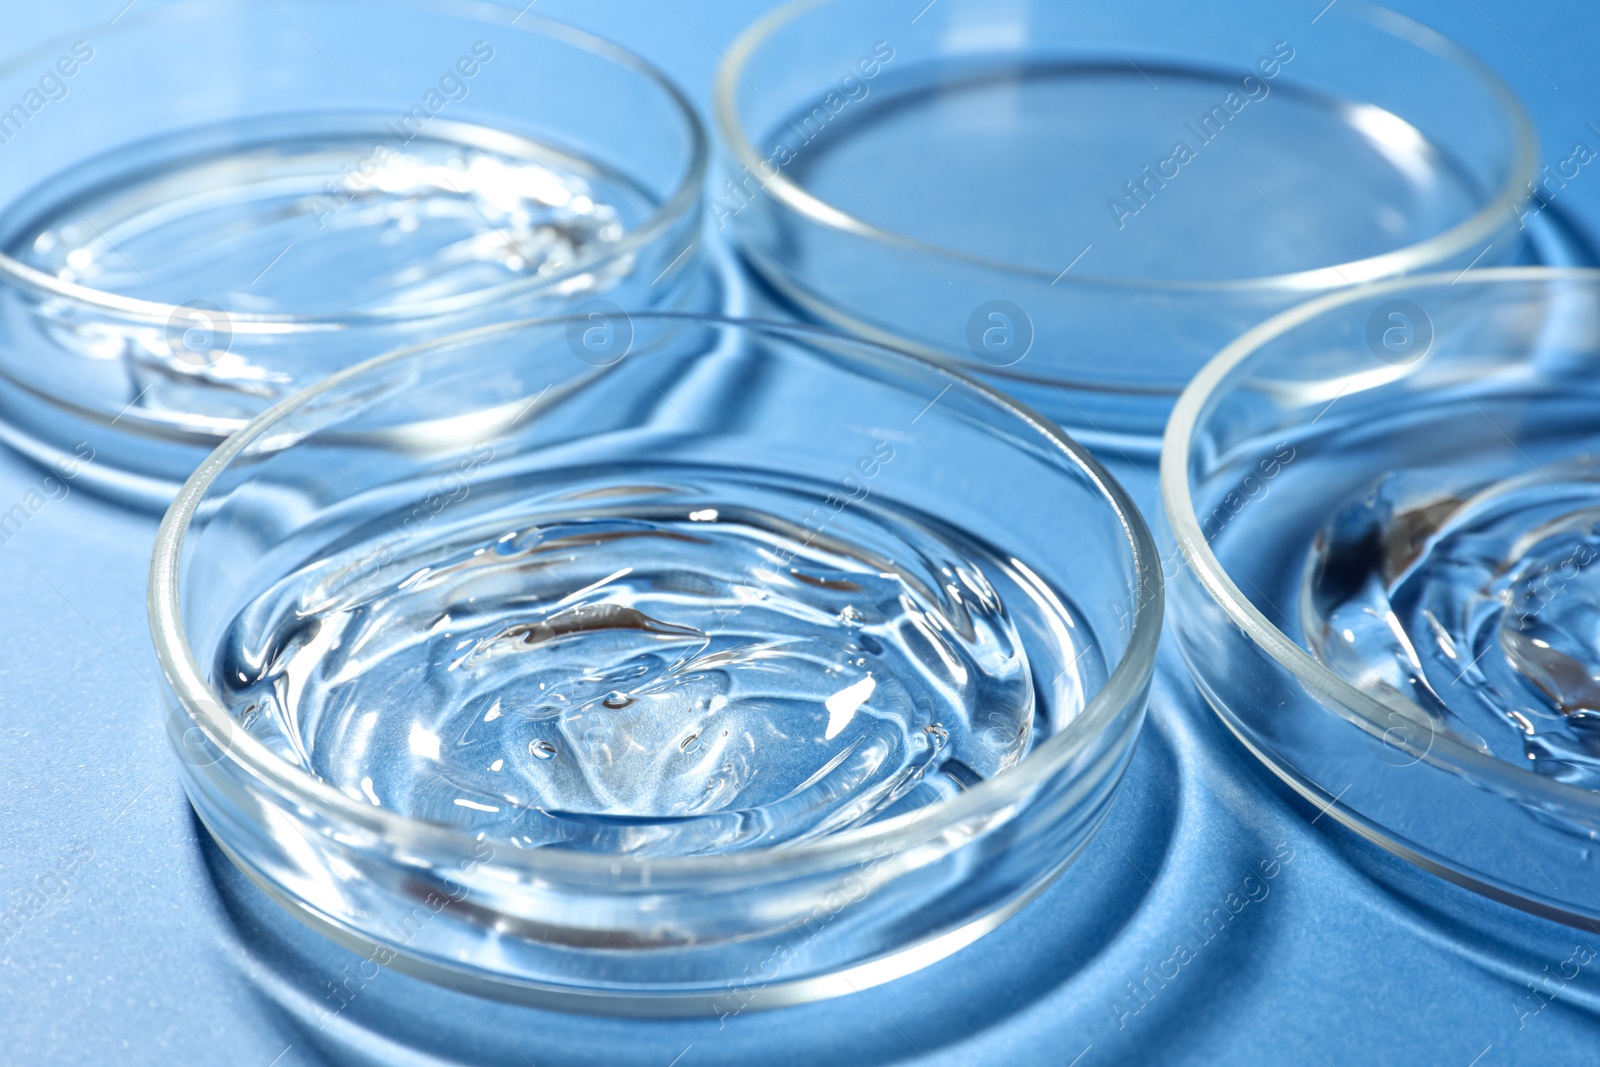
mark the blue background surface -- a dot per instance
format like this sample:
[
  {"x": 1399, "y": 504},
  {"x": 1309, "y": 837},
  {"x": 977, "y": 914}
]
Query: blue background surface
[{"x": 138, "y": 944}]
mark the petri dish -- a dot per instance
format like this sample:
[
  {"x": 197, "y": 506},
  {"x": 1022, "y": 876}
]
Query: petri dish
[
  {"x": 1082, "y": 203},
  {"x": 569, "y": 660},
  {"x": 183, "y": 243},
  {"x": 1384, "y": 514}
]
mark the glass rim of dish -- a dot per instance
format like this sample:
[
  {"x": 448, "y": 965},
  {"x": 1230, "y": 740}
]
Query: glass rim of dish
[
  {"x": 199, "y": 699},
  {"x": 1441, "y": 750},
  {"x": 1457, "y": 239},
  {"x": 685, "y": 196}
]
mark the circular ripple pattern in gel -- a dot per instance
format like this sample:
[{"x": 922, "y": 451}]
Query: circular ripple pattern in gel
[
  {"x": 683, "y": 673},
  {"x": 1480, "y": 606}
]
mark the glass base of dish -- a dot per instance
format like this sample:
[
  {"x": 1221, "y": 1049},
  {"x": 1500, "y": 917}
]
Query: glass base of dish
[
  {"x": 1372, "y": 831},
  {"x": 141, "y": 462},
  {"x": 1117, "y": 424},
  {"x": 733, "y": 997}
]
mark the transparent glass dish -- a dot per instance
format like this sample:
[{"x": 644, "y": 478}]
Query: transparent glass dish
[
  {"x": 183, "y": 243},
  {"x": 1082, "y": 203},
  {"x": 585, "y": 661},
  {"x": 1384, "y": 513}
]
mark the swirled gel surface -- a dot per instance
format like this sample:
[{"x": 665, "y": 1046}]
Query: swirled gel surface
[
  {"x": 658, "y": 669},
  {"x": 1481, "y": 607}
]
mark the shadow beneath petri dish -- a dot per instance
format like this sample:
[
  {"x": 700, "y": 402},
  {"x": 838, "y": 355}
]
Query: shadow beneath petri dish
[
  {"x": 1525, "y": 951},
  {"x": 352, "y": 1012},
  {"x": 1553, "y": 238},
  {"x": 1540, "y": 960}
]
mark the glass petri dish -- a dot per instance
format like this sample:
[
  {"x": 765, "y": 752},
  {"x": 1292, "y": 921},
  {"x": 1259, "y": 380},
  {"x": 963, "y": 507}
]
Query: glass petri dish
[
  {"x": 1082, "y": 203},
  {"x": 1384, "y": 512},
  {"x": 574, "y": 661},
  {"x": 183, "y": 242}
]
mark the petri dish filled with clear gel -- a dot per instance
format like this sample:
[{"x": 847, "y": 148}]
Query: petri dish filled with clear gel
[
  {"x": 1083, "y": 202},
  {"x": 1385, "y": 569},
  {"x": 206, "y": 206},
  {"x": 580, "y": 661}
]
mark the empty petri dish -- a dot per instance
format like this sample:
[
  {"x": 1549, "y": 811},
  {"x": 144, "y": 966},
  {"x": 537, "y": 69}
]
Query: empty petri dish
[
  {"x": 207, "y": 206},
  {"x": 1082, "y": 203},
  {"x": 577, "y": 661},
  {"x": 1386, "y": 515}
]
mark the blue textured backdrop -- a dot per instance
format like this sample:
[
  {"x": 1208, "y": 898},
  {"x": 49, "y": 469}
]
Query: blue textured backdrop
[{"x": 137, "y": 944}]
